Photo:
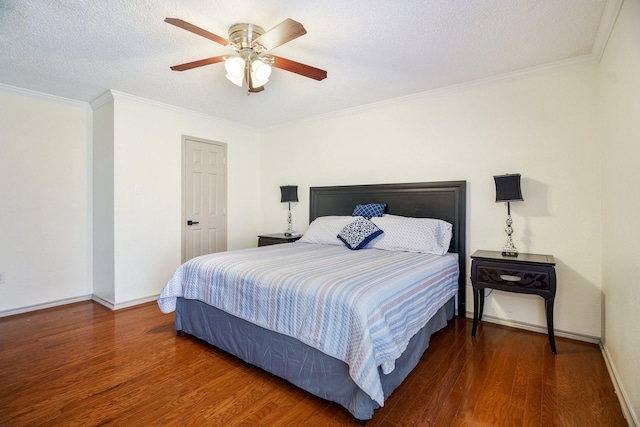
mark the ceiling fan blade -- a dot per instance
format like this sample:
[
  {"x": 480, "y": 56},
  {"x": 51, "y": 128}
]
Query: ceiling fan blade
[
  {"x": 196, "y": 30},
  {"x": 298, "y": 68},
  {"x": 200, "y": 63},
  {"x": 282, "y": 33}
]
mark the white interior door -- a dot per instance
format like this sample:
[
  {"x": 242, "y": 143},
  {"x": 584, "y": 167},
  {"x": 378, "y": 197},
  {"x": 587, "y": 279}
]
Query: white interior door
[{"x": 204, "y": 197}]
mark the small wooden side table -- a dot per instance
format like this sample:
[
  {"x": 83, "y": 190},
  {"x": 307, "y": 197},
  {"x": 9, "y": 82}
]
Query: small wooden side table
[{"x": 524, "y": 274}]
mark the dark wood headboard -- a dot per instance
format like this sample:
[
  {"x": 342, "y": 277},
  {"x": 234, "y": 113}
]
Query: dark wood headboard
[{"x": 441, "y": 200}]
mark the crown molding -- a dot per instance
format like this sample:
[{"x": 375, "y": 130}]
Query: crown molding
[
  {"x": 114, "y": 95},
  {"x": 14, "y": 90},
  {"x": 101, "y": 100},
  {"x": 609, "y": 17}
]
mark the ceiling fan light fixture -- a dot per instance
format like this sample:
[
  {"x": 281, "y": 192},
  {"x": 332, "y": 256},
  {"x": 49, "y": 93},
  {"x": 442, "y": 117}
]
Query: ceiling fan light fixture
[
  {"x": 235, "y": 67},
  {"x": 236, "y": 80},
  {"x": 258, "y": 83},
  {"x": 261, "y": 71}
]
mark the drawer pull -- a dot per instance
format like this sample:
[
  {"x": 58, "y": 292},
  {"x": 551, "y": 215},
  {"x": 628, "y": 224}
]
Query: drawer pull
[{"x": 509, "y": 278}]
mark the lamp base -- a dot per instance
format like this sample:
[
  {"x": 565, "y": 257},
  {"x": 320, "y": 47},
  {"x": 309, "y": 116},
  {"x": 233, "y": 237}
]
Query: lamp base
[
  {"x": 509, "y": 249},
  {"x": 290, "y": 232},
  {"x": 510, "y": 253}
]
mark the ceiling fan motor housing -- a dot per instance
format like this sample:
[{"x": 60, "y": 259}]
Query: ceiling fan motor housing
[{"x": 242, "y": 35}]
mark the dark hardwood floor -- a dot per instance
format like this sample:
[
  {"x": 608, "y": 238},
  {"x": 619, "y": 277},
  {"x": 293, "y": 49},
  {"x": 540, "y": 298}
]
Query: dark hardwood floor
[{"x": 84, "y": 365}]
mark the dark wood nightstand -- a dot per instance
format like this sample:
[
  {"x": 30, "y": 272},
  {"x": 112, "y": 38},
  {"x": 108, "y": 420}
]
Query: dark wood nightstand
[
  {"x": 524, "y": 274},
  {"x": 274, "y": 239}
]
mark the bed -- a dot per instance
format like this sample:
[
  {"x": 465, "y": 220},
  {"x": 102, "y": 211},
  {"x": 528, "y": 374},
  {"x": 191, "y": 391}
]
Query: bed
[{"x": 315, "y": 343}]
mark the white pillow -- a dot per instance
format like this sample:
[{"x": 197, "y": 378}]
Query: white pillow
[
  {"x": 406, "y": 234},
  {"x": 324, "y": 230}
]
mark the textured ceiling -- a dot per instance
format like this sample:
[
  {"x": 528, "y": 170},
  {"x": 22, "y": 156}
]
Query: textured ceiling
[{"x": 373, "y": 51}]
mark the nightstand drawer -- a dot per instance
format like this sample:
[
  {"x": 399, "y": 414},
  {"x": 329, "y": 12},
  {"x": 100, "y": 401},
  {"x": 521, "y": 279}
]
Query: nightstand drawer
[{"x": 518, "y": 276}]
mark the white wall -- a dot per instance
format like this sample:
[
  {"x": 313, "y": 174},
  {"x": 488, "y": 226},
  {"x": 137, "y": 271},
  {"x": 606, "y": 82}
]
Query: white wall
[
  {"x": 47, "y": 208},
  {"x": 148, "y": 154},
  {"x": 45, "y": 200},
  {"x": 620, "y": 109},
  {"x": 543, "y": 127}
]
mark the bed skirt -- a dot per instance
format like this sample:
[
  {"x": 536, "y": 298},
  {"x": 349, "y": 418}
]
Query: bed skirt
[{"x": 298, "y": 363}]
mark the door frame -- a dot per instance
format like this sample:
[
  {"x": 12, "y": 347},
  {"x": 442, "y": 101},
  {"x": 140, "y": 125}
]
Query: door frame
[{"x": 183, "y": 226}]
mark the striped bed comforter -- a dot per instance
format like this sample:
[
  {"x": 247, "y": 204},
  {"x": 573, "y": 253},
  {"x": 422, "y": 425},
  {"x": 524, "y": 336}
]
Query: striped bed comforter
[{"x": 361, "y": 307}]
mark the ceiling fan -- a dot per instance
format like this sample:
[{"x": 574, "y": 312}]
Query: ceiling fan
[{"x": 251, "y": 63}]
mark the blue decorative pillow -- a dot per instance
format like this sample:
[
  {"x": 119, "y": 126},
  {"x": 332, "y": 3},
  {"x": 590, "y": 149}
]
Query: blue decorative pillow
[
  {"x": 359, "y": 233},
  {"x": 370, "y": 210}
]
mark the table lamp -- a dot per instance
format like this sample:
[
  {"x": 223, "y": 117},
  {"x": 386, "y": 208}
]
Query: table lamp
[
  {"x": 508, "y": 190},
  {"x": 289, "y": 193}
]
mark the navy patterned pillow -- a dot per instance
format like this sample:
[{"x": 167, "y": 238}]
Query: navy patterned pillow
[
  {"x": 359, "y": 233},
  {"x": 370, "y": 210}
]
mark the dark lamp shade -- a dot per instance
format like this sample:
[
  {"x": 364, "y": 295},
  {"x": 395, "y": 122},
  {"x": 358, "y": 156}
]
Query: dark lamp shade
[
  {"x": 289, "y": 193},
  {"x": 508, "y": 187}
]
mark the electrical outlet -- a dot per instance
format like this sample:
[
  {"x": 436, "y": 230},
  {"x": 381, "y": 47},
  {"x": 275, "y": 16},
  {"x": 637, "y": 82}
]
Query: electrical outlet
[{"x": 1, "y": 277}]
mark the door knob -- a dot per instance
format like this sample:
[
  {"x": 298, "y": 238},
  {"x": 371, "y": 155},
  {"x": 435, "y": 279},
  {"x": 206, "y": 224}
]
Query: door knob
[{"x": 192, "y": 222}]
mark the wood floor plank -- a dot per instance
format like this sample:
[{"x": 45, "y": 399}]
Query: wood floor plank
[
  {"x": 84, "y": 365},
  {"x": 471, "y": 382},
  {"x": 533, "y": 403}
]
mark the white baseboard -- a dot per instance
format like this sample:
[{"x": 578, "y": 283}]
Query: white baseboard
[
  {"x": 117, "y": 306},
  {"x": 42, "y": 306},
  {"x": 538, "y": 328},
  {"x": 109, "y": 304},
  {"x": 628, "y": 413}
]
